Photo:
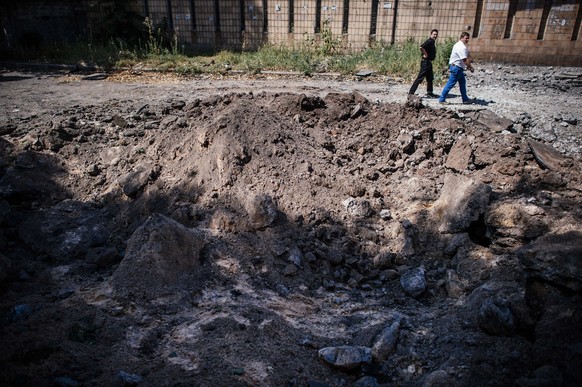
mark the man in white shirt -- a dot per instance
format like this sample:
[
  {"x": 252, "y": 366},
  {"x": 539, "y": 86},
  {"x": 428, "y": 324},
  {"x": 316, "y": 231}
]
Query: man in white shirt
[{"x": 459, "y": 62}]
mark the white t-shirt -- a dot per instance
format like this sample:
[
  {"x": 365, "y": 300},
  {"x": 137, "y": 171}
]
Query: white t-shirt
[{"x": 460, "y": 52}]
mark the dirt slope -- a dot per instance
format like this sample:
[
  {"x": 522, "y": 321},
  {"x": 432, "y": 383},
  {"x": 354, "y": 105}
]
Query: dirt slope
[{"x": 167, "y": 231}]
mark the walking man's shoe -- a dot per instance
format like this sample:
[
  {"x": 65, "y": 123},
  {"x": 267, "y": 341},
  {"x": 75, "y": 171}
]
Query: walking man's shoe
[
  {"x": 443, "y": 102},
  {"x": 431, "y": 95},
  {"x": 469, "y": 101}
]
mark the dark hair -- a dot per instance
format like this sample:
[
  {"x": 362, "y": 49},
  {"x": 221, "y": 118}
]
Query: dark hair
[
  {"x": 465, "y": 34},
  {"x": 434, "y": 30}
]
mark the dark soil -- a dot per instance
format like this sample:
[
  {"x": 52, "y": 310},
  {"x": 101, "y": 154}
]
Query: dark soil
[{"x": 194, "y": 232}]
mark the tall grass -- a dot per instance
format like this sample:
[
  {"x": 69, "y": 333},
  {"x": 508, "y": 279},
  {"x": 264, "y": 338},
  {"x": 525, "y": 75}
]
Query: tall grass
[{"x": 328, "y": 54}]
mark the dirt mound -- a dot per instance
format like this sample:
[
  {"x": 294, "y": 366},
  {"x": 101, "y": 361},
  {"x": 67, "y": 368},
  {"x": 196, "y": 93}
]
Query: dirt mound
[{"x": 229, "y": 239}]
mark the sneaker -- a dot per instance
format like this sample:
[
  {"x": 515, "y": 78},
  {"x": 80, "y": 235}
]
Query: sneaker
[
  {"x": 469, "y": 101},
  {"x": 431, "y": 95},
  {"x": 443, "y": 102}
]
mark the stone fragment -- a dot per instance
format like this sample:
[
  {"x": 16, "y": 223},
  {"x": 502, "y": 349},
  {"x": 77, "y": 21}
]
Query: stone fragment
[
  {"x": 414, "y": 282},
  {"x": 262, "y": 211},
  {"x": 386, "y": 341},
  {"x": 548, "y": 157},
  {"x": 459, "y": 155},
  {"x": 496, "y": 318},
  {"x": 358, "y": 207},
  {"x": 133, "y": 182},
  {"x": 491, "y": 120},
  {"x": 346, "y": 357},
  {"x": 453, "y": 284}
]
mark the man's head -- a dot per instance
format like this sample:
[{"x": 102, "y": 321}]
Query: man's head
[
  {"x": 434, "y": 33},
  {"x": 465, "y": 37}
]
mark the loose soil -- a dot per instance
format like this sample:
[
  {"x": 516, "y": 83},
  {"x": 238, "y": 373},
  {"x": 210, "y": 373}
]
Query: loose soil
[{"x": 220, "y": 231}]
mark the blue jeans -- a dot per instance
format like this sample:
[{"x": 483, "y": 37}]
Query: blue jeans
[{"x": 457, "y": 75}]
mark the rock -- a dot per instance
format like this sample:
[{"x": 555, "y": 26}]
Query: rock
[
  {"x": 161, "y": 257},
  {"x": 414, "y": 282},
  {"x": 414, "y": 101},
  {"x": 459, "y": 155},
  {"x": 456, "y": 242},
  {"x": 358, "y": 207},
  {"x": 461, "y": 202},
  {"x": 357, "y": 111},
  {"x": 384, "y": 260},
  {"x": 128, "y": 379},
  {"x": 386, "y": 341},
  {"x": 453, "y": 284},
  {"x": 409, "y": 239},
  {"x": 496, "y": 318},
  {"x": 517, "y": 220},
  {"x": 66, "y": 231},
  {"x": 346, "y": 358},
  {"x": 406, "y": 142},
  {"x": 95, "y": 77},
  {"x": 385, "y": 214},
  {"x": 556, "y": 258},
  {"x": 364, "y": 73},
  {"x": 548, "y": 157},
  {"x": 133, "y": 182},
  {"x": 491, "y": 120},
  {"x": 261, "y": 210},
  {"x": 417, "y": 188},
  {"x": 438, "y": 378}
]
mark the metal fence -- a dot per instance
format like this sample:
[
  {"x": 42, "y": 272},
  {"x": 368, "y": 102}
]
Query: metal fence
[{"x": 534, "y": 31}]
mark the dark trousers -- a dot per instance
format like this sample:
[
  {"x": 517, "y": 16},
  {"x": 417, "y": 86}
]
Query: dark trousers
[{"x": 425, "y": 72}]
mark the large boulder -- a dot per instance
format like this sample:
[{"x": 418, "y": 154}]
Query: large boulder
[
  {"x": 161, "y": 257},
  {"x": 461, "y": 202}
]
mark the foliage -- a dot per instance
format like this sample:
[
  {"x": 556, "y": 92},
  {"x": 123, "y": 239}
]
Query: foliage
[{"x": 327, "y": 53}]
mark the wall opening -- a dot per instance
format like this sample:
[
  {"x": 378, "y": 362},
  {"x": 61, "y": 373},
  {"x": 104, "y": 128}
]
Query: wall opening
[
  {"x": 170, "y": 16},
  {"x": 265, "y": 16},
  {"x": 291, "y": 20},
  {"x": 394, "y": 19},
  {"x": 374, "y": 18},
  {"x": 510, "y": 19},
  {"x": 193, "y": 15},
  {"x": 241, "y": 6},
  {"x": 317, "y": 27},
  {"x": 216, "y": 16},
  {"x": 146, "y": 8},
  {"x": 545, "y": 16},
  {"x": 345, "y": 17},
  {"x": 576, "y": 31},
  {"x": 478, "y": 16}
]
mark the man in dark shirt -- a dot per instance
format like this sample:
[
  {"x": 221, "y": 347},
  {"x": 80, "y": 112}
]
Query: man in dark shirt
[{"x": 428, "y": 50}]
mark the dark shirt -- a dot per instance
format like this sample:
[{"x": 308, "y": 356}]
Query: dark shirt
[{"x": 429, "y": 46}]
